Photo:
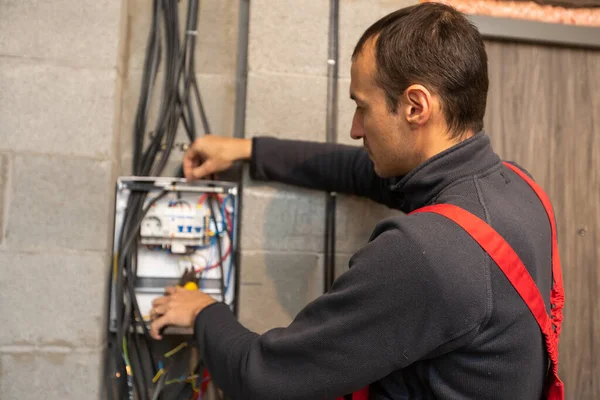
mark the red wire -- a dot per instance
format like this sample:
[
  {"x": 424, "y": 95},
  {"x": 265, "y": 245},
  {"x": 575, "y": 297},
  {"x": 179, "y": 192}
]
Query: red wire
[
  {"x": 205, "y": 379},
  {"x": 229, "y": 224},
  {"x": 202, "y": 198}
]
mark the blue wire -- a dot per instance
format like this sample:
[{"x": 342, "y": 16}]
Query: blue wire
[{"x": 228, "y": 280}]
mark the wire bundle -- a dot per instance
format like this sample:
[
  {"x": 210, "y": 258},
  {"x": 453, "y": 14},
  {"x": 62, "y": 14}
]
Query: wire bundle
[
  {"x": 132, "y": 364},
  {"x": 180, "y": 94}
]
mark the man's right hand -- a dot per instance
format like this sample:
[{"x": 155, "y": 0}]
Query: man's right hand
[{"x": 212, "y": 154}]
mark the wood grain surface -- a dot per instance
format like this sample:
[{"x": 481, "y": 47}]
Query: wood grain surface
[{"x": 543, "y": 112}]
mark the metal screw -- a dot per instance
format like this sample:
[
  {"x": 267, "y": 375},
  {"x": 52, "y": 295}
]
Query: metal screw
[{"x": 582, "y": 231}]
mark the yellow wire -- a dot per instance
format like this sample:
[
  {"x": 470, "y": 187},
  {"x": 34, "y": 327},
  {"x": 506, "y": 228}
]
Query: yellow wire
[
  {"x": 158, "y": 374},
  {"x": 126, "y": 356},
  {"x": 190, "y": 379},
  {"x": 176, "y": 349},
  {"x": 193, "y": 379}
]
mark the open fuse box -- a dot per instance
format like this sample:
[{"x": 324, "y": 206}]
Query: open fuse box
[{"x": 180, "y": 227}]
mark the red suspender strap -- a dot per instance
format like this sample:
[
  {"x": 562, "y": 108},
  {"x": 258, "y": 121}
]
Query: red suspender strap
[
  {"x": 512, "y": 266},
  {"x": 362, "y": 394},
  {"x": 557, "y": 296}
]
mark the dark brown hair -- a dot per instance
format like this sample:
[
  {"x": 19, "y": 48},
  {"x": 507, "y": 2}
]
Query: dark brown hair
[{"x": 436, "y": 46}]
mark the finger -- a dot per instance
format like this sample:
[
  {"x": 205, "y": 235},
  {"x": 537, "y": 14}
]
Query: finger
[
  {"x": 205, "y": 169},
  {"x": 159, "y": 300},
  {"x": 190, "y": 160},
  {"x": 169, "y": 290},
  {"x": 160, "y": 310},
  {"x": 188, "y": 166},
  {"x": 157, "y": 326}
]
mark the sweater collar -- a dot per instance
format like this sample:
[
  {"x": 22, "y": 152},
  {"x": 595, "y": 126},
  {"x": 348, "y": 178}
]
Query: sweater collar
[{"x": 424, "y": 183}]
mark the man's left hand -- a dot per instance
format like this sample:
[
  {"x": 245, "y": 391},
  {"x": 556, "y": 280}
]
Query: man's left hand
[{"x": 178, "y": 307}]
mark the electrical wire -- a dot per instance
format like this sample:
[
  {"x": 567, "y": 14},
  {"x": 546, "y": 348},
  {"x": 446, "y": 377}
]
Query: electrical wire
[
  {"x": 179, "y": 99},
  {"x": 219, "y": 247},
  {"x": 125, "y": 278}
]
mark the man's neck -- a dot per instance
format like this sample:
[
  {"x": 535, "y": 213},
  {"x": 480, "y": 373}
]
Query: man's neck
[{"x": 436, "y": 141}]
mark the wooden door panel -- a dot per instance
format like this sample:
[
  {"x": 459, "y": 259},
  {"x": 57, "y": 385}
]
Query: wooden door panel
[{"x": 543, "y": 112}]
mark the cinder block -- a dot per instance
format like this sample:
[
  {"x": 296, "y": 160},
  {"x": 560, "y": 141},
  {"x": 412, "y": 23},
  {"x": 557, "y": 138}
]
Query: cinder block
[
  {"x": 47, "y": 108},
  {"x": 4, "y": 171},
  {"x": 56, "y": 299},
  {"x": 355, "y": 17},
  {"x": 218, "y": 97},
  {"x": 288, "y": 36},
  {"x": 282, "y": 218},
  {"x": 59, "y": 202},
  {"x": 216, "y": 41},
  {"x": 83, "y": 33},
  {"x": 286, "y": 106},
  {"x": 51, "y": 375},
  {"x": 274, "y": 287},
  {"x": 356, "y": 219}
]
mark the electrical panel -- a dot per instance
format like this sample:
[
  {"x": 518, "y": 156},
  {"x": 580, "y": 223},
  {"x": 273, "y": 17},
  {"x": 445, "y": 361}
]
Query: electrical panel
[{"x": 183, "y": 227}]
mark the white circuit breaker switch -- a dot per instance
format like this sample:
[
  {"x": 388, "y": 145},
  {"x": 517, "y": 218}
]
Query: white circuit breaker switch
[{"x": 178, "y": 248}]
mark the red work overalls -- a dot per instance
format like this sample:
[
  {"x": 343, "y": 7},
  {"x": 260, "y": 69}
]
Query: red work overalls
[{"x": 508, "y": 261}]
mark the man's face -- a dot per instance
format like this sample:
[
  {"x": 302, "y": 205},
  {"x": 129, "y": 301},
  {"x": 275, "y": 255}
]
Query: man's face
[{"x": 386, "y": 135}]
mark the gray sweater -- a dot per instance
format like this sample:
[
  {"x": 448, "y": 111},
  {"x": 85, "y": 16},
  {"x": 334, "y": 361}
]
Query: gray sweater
[{"x": 423, "y": 312}]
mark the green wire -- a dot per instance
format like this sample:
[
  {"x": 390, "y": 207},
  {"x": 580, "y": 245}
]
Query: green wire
[{"x": 126, "y": 357}]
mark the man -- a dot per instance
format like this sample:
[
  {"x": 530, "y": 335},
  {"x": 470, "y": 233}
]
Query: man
[{"x": 423, "y": 311}]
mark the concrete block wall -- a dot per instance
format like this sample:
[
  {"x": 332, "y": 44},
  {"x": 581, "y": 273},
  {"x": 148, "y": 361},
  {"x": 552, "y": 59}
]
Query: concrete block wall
[
  {"x": 59, "y": 94},
  {"x": 69, "y": 83},
  {"x": 282, "y": 226}
]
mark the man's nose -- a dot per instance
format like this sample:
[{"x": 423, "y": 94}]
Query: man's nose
[{"x": 356, "y": 131}]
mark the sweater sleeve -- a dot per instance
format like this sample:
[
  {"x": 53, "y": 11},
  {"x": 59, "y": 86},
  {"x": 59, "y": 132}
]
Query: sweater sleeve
[
  {"x": 322, "y": 166},
  {"x": 400, "y": 302}
]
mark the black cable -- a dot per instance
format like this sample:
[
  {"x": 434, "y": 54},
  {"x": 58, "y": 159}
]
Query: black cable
[
  {"x": 170, "y": 119},
  {"x": 151, "y": 62},
  {"x": 179, "y": 96},
  {"x": 189, "y": 50},
  {"x": 159, "y": 386},
  {"x": 331, "y": 131},
  {"x": 130, "y": 232},
  {"x": 136, "y": 362},
  {"x": 108, "y": 389},
  {"x": 120, "y": 307},
  {"x": 205, "y": 124},
  {"x": 142, "y": 362}
]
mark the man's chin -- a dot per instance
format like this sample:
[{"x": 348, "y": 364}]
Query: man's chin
[{"x": 379, "y": 172}]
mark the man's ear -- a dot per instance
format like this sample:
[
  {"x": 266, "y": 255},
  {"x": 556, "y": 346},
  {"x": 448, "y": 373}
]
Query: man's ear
[{"x": 417, "y": 105}]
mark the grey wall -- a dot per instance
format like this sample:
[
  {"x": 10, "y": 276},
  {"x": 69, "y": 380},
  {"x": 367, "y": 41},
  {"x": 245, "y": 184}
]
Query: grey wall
[
  {"x": 59, "y": 95},
  {"x": 282, "y": 226},
  {"x": 69, "y": 81}
]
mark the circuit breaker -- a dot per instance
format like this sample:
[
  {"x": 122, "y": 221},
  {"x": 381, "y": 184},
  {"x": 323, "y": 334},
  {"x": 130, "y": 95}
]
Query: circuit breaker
[{"x": 183, "y": 227}]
